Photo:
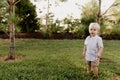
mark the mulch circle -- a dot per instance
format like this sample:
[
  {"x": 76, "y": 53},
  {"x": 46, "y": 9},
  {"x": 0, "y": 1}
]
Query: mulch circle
[{"x": 6, "y": 59}]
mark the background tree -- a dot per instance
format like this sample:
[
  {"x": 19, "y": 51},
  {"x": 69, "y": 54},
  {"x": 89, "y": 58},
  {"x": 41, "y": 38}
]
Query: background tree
[
  {"x": 48, "y": 13},
  {"x": 115, "y": 5},
  {"x": 99, "y": 12},
  {"x": 112, "y": 19},
  {"x": 112, "y": 11},
  {"x": 28, "y": 21},
  {"x": 89, "y": 12},
  {"x": 11, "y": 27}
]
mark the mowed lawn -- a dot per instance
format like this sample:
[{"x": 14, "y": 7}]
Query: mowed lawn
[{"x": 56, "y": 60}]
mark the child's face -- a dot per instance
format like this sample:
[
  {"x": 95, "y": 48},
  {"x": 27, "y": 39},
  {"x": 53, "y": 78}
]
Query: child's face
[{"x": 93, "y": 31}]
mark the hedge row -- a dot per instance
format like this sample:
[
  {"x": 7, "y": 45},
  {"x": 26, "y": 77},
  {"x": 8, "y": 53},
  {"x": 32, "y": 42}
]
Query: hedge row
[{"x": 38, "y": 35}]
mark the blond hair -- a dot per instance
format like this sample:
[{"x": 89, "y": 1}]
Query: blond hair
[{"x": 96, "y": 25}]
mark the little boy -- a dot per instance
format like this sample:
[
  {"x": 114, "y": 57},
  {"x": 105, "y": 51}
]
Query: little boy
[{"x": 93, "y": 47}]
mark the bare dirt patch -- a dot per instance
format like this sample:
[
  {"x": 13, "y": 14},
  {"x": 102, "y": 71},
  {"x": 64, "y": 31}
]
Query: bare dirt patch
[{"x": 6, "y": 59}]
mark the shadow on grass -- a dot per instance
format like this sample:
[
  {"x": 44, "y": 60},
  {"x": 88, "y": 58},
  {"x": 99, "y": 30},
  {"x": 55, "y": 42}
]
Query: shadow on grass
[
  {"x": 112, "y": 67},
  {"x": 106, "y": 60}
]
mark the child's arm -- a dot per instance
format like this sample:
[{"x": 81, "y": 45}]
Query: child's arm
[
  {"x": 100, "y": 52},
  {"x": 100, "y": 47},
  {"x": 84, "y": 51}
]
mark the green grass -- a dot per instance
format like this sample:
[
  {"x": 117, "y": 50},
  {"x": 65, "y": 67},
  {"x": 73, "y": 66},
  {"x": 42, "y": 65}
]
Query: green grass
[{"x": 56, "y": 60}]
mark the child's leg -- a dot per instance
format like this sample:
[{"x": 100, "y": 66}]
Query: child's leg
[
  {"x": 94, "y": 65},
  {"x": 89, "y": 66},
  {"x": 95, "y": 71}
]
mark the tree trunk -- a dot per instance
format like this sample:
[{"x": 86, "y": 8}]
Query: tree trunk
[
  {"x": 99, "y": 13},
  {"x": 12, "y": 42},
  {"x": 47, "y": 17},
  {"x": 11, "y": 30}
]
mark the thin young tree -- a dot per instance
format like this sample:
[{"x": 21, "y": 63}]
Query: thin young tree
[
  {"x": 100, "y": 15},
  {"x": 11, "y": 28},
  {"x": 47, "y": 14}
]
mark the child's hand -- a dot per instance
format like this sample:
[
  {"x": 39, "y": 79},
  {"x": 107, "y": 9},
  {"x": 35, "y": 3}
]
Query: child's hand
[
  {"x": 83, "y": 56},
  {"x": 98, "y": 58}
]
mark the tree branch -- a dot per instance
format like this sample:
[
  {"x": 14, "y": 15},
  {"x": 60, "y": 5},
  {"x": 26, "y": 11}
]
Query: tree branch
[
  {"x": 114, "y": 4},
  {"x": 17, "y": 1},
  {"x": 111, "y": 15},
  {"x": 107, "y": 9}
]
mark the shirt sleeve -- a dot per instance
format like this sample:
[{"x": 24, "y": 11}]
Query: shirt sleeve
[
  {"x": 100, "y": 43},
  {"x": 86, "y": 42}
]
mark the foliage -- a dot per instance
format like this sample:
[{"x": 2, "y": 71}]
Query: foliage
[
  {"x": 26, "y": 11},
  {"x": 56, "y": 60},
  {"x": 116, "y": 30},
  {"x": 112, "y": 14},
  {"x": 68, "y": 23},
  {"x": 89, "y": 14},
  {"x": 3, "y": 15},
  {"x": 79, "y": 31}
]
